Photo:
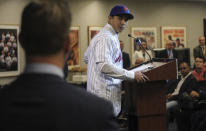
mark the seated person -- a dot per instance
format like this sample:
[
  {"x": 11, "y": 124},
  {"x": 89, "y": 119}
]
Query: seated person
[
  {"x": 200, "y": 71},
  {"x": 140, "y": 56},
  {"x": 169, "y": 52},
  {"x": 198, "y": 117},
  {"x": 179, "y": 44},
  {"x": 186, "y": 84}
]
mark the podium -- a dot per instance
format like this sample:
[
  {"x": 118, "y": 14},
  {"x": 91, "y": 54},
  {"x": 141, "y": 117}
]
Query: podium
[{"x": 146, "y": 102}]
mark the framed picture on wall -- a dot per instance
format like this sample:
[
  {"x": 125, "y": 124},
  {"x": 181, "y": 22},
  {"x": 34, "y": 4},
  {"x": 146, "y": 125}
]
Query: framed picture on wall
[
  {"x": 73, "y": 59},
  {"x": 176, "y": 34},
  {"x": 147, "y": 33},
  {"x": 9, "y": 50},
  {"x": 92, "y": 31}
]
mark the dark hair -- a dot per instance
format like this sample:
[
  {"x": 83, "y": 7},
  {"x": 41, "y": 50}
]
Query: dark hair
[
  {"x": 178, "y": 39},
  {"x": 185, "y": 63},
  {"x": 201, "y": 57},
  {"x": 44, "y": 27},
  {"x": 142, "y": 40}
]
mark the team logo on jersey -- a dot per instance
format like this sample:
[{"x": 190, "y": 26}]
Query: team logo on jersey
[{"x": 119, "y": 58}]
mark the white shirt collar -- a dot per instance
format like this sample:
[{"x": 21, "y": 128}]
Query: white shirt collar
[
  {"x": 111, "y": 29},
  {"x": 44, "y": 68},
  {"x": 186, "y": 75}
]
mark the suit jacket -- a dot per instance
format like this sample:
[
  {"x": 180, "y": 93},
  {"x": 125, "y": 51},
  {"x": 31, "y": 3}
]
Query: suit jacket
[
  {"x": 164, "y": 54},
  {"x": 47, "y": 102},
  {"x": 188, "y": 85},
  {"x": 197, "y": 52},
  {"x": 126, "y": 60}
]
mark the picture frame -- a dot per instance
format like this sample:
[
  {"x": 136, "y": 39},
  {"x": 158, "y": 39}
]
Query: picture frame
[
  {"x": 147, "y": 33},
  {"x": 9, "y": 51},
  {"x": 176, "y": 34},
  {"x": 92, "y": 31},
  {"x": 73, "y": 59}
]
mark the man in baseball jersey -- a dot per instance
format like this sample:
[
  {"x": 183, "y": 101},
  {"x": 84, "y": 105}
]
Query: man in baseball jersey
[{"x": 104, "y": 59}]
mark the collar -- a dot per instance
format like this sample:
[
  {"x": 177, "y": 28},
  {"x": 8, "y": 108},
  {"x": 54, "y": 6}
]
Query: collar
[
  {"x": 202, "y": 46},
  {"x": 111, "y": 29},
  {"x": 44, "y": 68},
  {"x": 187, "y": 75}
]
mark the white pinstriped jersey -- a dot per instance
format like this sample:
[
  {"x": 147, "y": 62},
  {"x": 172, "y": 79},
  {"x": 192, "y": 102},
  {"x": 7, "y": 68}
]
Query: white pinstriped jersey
[{"x": 104, "y": 72}]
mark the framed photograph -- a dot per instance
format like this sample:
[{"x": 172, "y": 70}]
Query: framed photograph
[
  {"x": 9, "y": 51},
  {"x": 73, "y": 59},
  {"x": 176, "y": 34},
  {"x": 92, "y": 31},
  {"x": 147, "y": 33}
]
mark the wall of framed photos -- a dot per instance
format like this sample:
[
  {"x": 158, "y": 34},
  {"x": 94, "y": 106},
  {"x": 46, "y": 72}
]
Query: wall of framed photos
[{"x": 87, "y": 14}]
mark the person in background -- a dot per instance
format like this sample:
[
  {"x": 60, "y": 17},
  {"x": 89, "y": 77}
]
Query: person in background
[
  {"x": 140, "y": 56},
  {"x": 179, "y": 44},
  {"x": 200, "y": 71},
  {"x": 169, "y": 52},
  {"x": 104, "y": 59},
  {"x": 187, "y": 83},
  {"x": 125, "y": 56},
  {"x": 200, "y": 51},
  {"x": 40, "y": 98}
]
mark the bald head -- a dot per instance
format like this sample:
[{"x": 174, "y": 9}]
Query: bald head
[
  {"x": 169, "y": 44},
  {"x": 202, "y": 40},
  {"x": 184, "y": 68}
]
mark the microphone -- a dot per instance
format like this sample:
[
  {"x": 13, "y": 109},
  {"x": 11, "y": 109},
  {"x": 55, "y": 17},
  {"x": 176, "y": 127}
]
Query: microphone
[
  {"x": 137, "y": 40},
  {"x": 139, "y": 43}
]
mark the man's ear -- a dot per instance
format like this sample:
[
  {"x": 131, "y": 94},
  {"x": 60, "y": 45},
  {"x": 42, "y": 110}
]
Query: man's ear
[{"x": 109, "y": 17}]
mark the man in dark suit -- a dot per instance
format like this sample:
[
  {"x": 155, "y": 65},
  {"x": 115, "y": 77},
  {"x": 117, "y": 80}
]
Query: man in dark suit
[
  {"x": 185, "y": 84},
  {"x": 200, "y": 51},
  {"x": 125, "y": 56},
  {"x": 176, "y": 88},
  {"x": 169, "y": 52},
  {"x": 40, "y": 99}
]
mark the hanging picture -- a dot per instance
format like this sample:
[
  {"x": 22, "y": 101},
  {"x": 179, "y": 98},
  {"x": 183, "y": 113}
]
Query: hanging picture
[
  {"x": 92, "y": 31},
  {"x": 175, "y": 34},
  {"x": 74, "y": 53},
  {"x": 9, "y": 50}
]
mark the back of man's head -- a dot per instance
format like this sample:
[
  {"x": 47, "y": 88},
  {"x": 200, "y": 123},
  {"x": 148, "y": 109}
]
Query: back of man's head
[{"x": 44, "y": 27}]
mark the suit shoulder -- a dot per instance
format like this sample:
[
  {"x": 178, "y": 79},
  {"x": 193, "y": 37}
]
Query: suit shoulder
[
  {"x": 87, "y": 96},
  {"x": 196, "y": 48}
]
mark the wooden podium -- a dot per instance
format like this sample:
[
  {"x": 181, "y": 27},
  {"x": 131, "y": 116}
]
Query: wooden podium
[{"x": 146, "y": 102}]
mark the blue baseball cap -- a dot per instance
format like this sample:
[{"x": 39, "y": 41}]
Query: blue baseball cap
[{"x": 121, "y": 10}]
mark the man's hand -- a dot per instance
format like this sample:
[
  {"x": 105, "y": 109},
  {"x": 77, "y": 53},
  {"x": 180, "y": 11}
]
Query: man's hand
[
  {"x": 169, "y": 96},
  {"x": 194, "y": 94},
  {"x": 140, "y": 77}
]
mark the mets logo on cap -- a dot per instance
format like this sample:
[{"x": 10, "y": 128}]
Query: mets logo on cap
[
  {"x": 121, "y": 10},
  {"x": 125, "y": 9}
]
